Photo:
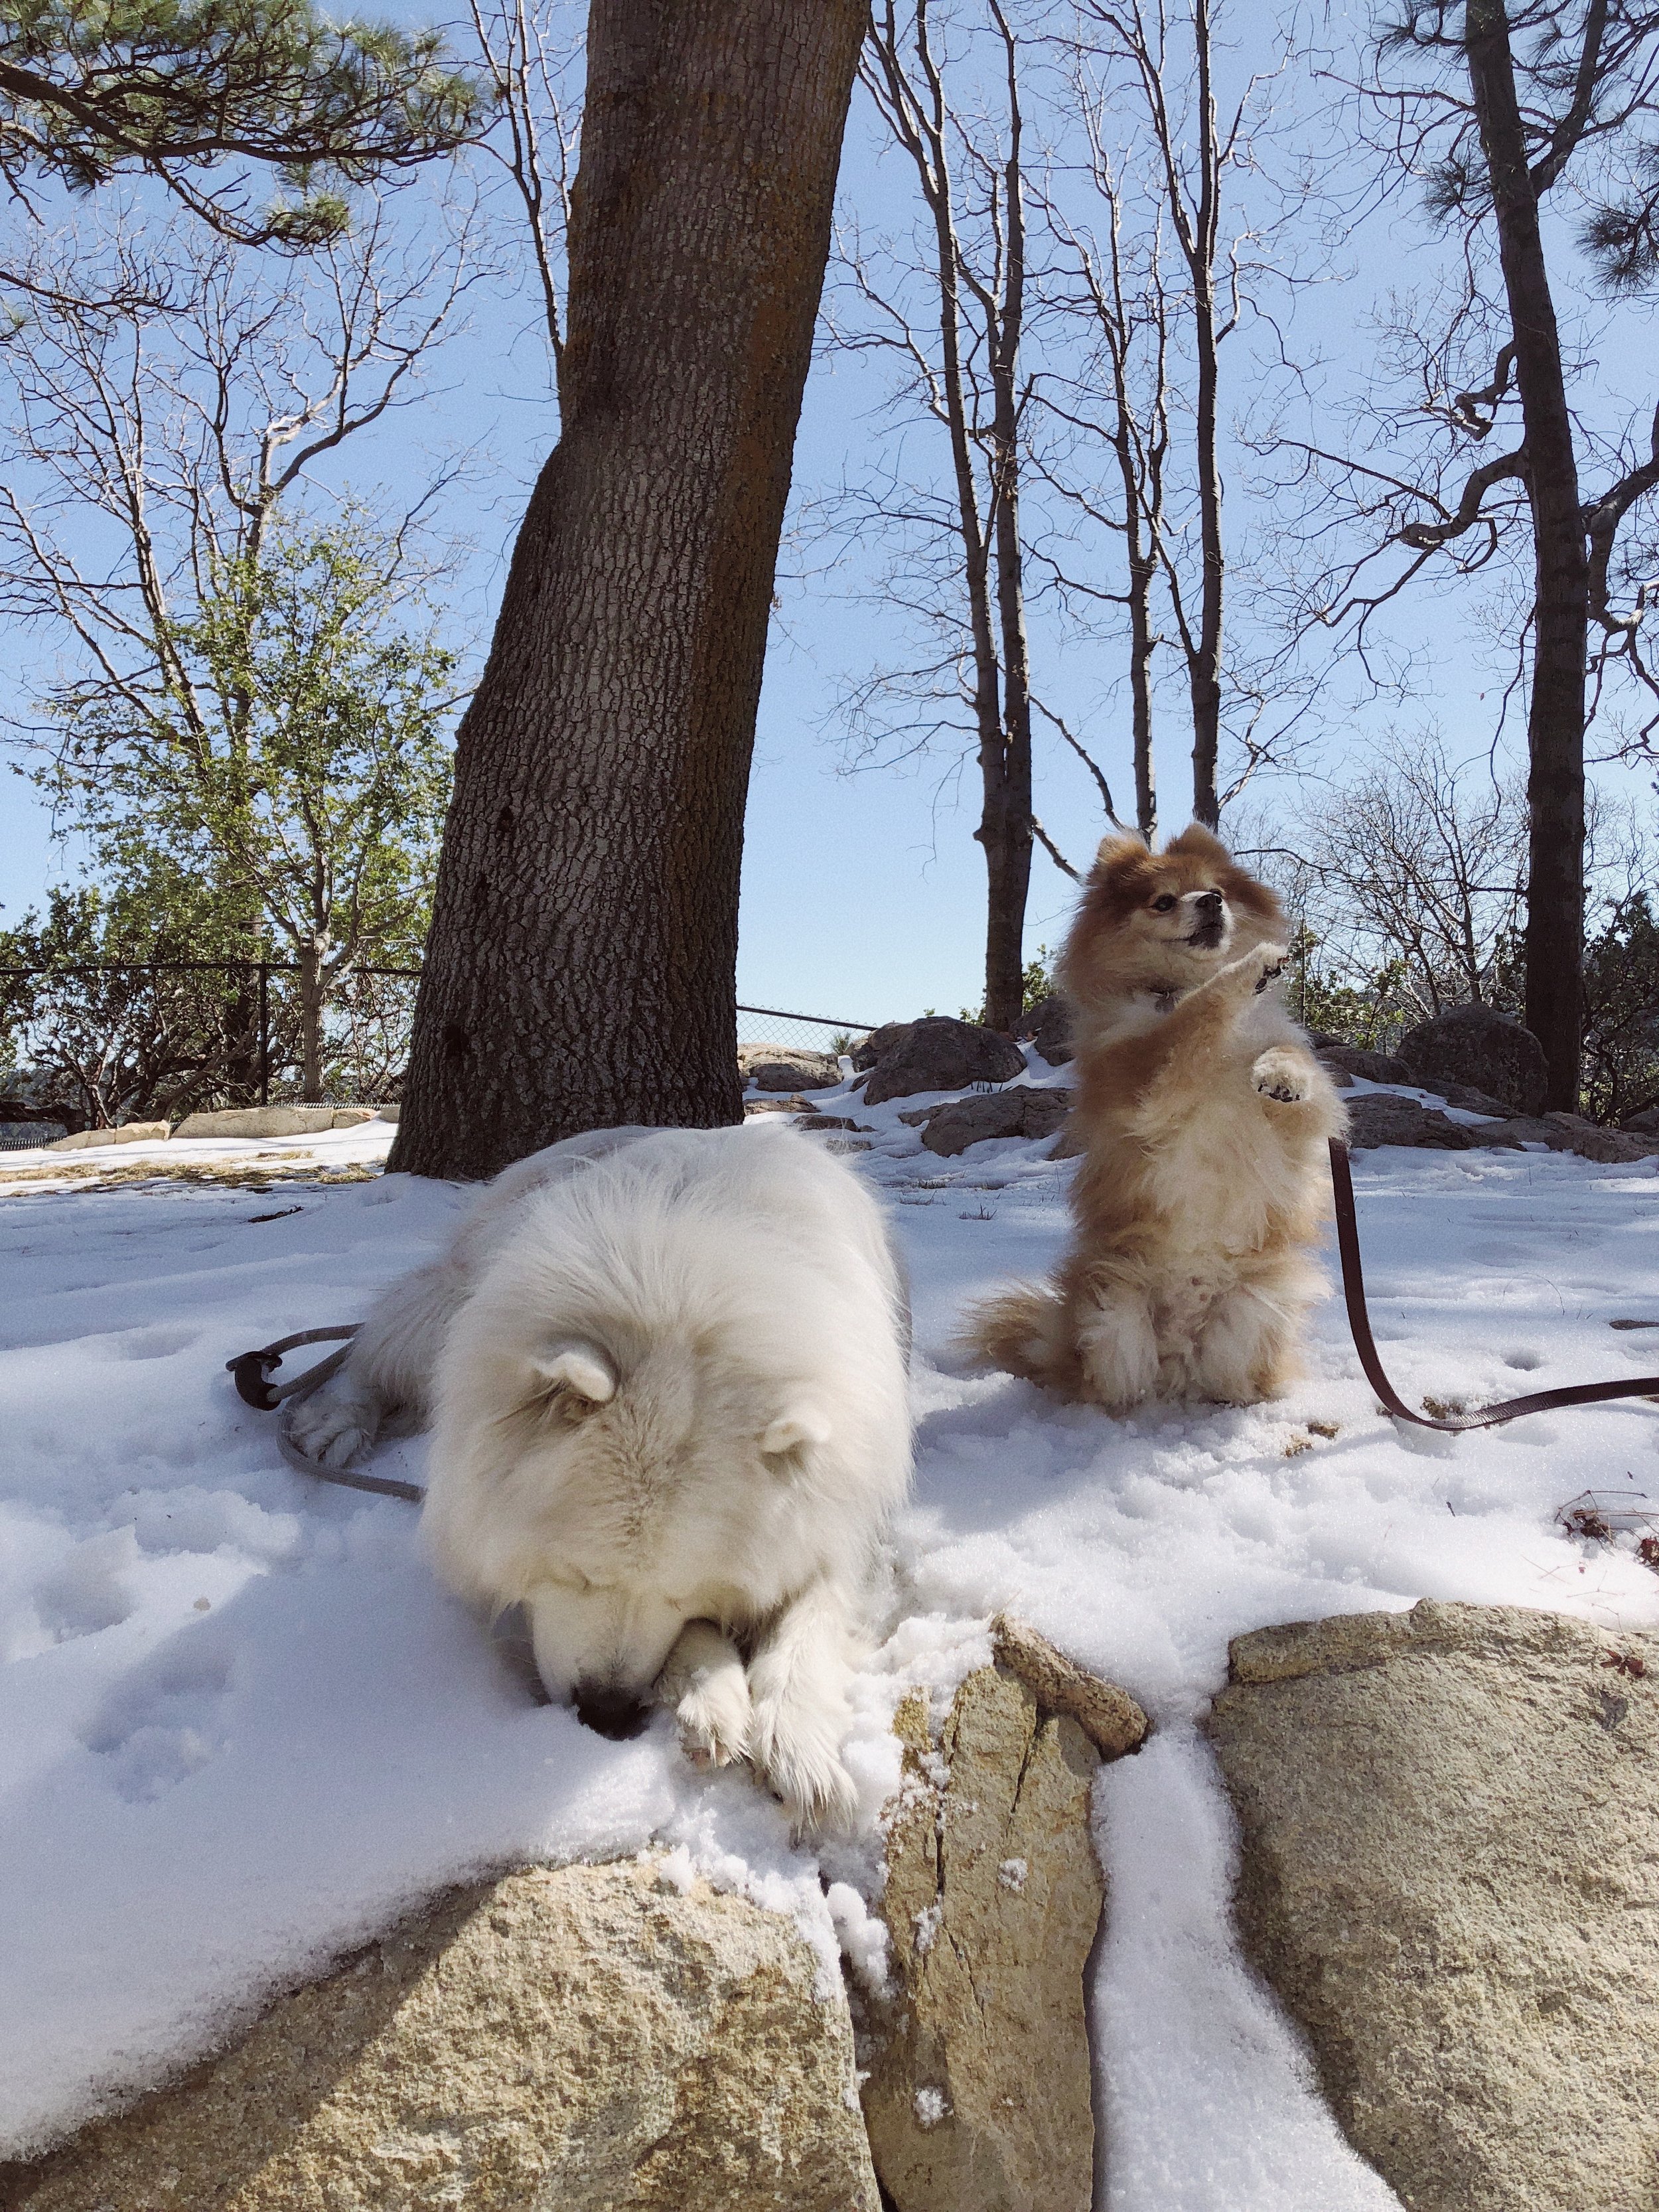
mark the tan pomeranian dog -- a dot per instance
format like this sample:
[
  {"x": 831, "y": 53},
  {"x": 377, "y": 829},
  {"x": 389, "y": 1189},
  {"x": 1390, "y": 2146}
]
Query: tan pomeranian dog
[{"x": 1204, "y": 1117}]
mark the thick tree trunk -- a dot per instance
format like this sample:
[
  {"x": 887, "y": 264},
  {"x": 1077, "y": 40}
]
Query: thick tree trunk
[
  {"x": 582, "y": 967},
  {"x": 1555, "y": 721}
]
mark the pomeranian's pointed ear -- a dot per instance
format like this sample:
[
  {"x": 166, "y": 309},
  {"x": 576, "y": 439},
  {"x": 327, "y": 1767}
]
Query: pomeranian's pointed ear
[
  {"x": 801, "y": 1425},
  {"x": 584, "y": 1370},
  {"x": 1200, "y": 842},
  {"x": 1122, "y": 845}
]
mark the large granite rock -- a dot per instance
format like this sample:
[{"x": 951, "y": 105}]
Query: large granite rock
[
  {"x": 273, "y": 1121},
  {"x": 1449, "y": 1820},
  {"x": 1381, "y": 1117},
  {"x": 940, "y": 1054},
  {"x": 771, "y": 1067},
  {"x": 1474, "y": 1045},
  {"x": 979, "y": 2097},
  {"x": 1345, "y": 1061},
  {"x": 578, "y": 2039},
  {"x": 1022, "y": 1110},
  {"x": 1048, "y": 1026},
  {"x": 129, "y": 1132}
]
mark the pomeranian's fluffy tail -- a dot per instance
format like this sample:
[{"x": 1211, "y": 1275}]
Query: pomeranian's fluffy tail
[{"x": 1026, "y": 1330}]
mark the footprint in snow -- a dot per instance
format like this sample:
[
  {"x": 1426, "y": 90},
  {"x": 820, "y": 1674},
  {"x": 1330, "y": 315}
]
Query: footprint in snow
[{"x": 165, "y": 1720}]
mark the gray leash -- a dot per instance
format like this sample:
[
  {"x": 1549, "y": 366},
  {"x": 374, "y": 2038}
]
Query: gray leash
[{"x": 253, "y": 1371}]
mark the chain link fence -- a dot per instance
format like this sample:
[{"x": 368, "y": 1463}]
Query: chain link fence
[{"x": 94, "y": 1044}]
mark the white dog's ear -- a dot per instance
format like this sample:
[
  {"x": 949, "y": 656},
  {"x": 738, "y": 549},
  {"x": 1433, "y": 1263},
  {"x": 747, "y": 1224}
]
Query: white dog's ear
[
  {"x": 583, "y": 1370},
  {"x": 801, "y": 1425}
]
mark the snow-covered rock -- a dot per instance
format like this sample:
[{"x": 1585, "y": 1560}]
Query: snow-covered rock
[
  {"x": 588, "y": 2037},
  {"x": 940, "y": 1054},
  {"x": 1448, "y": 1821},
  {"x": 979, "y": 2097},
  {"x": 1022, "y": 1110}
]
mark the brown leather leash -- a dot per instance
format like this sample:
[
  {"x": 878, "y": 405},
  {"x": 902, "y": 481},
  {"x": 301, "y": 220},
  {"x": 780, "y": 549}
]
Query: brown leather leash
[{"x": 1483, "y": 1417}]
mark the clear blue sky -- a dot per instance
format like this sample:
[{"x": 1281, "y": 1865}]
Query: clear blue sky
[{"x": 863, "y": 893}]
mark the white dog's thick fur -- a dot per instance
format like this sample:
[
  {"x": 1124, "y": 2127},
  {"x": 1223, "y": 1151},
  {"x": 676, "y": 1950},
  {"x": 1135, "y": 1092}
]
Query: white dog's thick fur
[{"x": 666, "y": 1375}]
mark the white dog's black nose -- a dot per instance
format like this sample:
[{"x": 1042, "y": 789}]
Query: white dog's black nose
[
  {"x": 608, "y": 1711},
  {"x": 1209, "y": 903}
]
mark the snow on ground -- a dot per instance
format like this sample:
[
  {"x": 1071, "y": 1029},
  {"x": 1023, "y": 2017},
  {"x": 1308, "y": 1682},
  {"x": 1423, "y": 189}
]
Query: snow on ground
[{"x": 243, "y": 1727}]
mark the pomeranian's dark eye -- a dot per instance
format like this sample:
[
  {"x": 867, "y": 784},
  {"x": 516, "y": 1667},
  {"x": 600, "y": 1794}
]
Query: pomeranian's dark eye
[{"x": 1164, "y": 902}]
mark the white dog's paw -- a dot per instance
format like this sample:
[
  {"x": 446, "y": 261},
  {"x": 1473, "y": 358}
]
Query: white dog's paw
[
  {"x": 798, "y": 1751},
  {"x": 333, "y": 1428},
  {"x": 716, "y": 1719},
  {"x": 1280, "y": 1074}
]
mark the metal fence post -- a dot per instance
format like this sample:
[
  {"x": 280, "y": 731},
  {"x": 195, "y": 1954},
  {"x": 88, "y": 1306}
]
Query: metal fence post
[{"x": 264, "y": 1033}]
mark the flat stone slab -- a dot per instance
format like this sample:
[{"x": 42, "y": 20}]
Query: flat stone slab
[{"x": 1450, "y": 1876}]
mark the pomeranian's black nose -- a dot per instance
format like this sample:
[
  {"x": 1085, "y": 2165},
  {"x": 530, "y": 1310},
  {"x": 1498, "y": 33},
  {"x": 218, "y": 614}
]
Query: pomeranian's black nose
[
  {"x": 1210, "y": 902},
  {"x": 615, "y": 1713}
]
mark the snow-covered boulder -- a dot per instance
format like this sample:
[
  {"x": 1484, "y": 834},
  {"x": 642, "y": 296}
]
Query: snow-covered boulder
[
  {"x": 1472, "y": 1044},
  {"x": 1448, "y": 1820},
  {"x": 592, "y": 2038},
  {"x": 1022, "y": 1110},
  {"x": 1345, "y": 1061},
  {"x": 1383, "y": 1117},
  {"x": 1049, "y": 1027},
  {"x": 938, "y": 1053},
  {"x": 979, "y": 2096}
]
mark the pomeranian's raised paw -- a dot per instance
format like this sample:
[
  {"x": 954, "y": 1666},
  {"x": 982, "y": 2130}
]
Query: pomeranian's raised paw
[
  {"x": 1281, "y": 1075},
  {"x": 1270, "y": 963}
]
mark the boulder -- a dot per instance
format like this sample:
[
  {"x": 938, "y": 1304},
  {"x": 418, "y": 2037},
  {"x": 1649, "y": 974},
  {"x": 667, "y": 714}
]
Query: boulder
[
  {"x": 1644, "y": 1124},
  {"x": 1048, "y": 1026},
  {"x": 1022, "y": 1110},
  {"x": 1472, "y": 1044},
  {"x": 979, "y": 2096},
  {"x": 1448, "y": 1819},
  {"x": 773, "y": 1067},
  {"x": 1383, "y": 1118},
  {"x": 582, "y": 2040},
  {"x": 129, "y": 1132},
  {"x": 879, "y": 1042},
  {"x": 1353, "y": 1059},
  {"x": 273, "y": 1121},
  {"x": 832, "y": 1121},
  {"x": 1468, "y": 1099},
  {"x": 940, "y": 1054}
]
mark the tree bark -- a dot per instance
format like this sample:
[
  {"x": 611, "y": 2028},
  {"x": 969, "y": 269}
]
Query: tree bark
[
  {"x": 1555, "y": 721},
  {"x": 582, "y": 963}
]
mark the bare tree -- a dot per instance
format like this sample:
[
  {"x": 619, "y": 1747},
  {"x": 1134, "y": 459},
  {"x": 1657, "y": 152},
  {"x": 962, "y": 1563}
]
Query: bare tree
[
  {"x": 534, "y": 137},
  {"x": 1193, "y": 148},
  {"x": 153, "y": 456},
  {"x": 1500, "y": 107},
  {"x": 581, "y": 970}
]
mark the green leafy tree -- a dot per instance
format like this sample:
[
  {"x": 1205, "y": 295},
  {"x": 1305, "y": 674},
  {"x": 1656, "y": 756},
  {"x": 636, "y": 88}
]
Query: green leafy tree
[
  {"x": 180, "y": 88},
  {"x": 97, "y": 1024},
  {"x": 292, "y": 755}
]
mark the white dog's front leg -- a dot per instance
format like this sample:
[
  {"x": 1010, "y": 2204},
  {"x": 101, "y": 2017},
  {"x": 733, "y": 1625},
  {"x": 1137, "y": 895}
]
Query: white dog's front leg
[
  {"x": 798, "y": 1680},
  {"x": 705, "y": 1684}
]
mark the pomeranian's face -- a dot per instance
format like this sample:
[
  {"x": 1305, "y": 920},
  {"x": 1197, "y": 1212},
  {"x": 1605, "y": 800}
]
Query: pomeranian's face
[{"x": 1163, "y": 922}]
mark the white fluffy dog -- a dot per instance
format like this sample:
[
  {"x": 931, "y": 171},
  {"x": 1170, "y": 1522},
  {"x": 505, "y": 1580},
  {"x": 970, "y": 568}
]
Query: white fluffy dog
[{"x": 666, "y": 1375}]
